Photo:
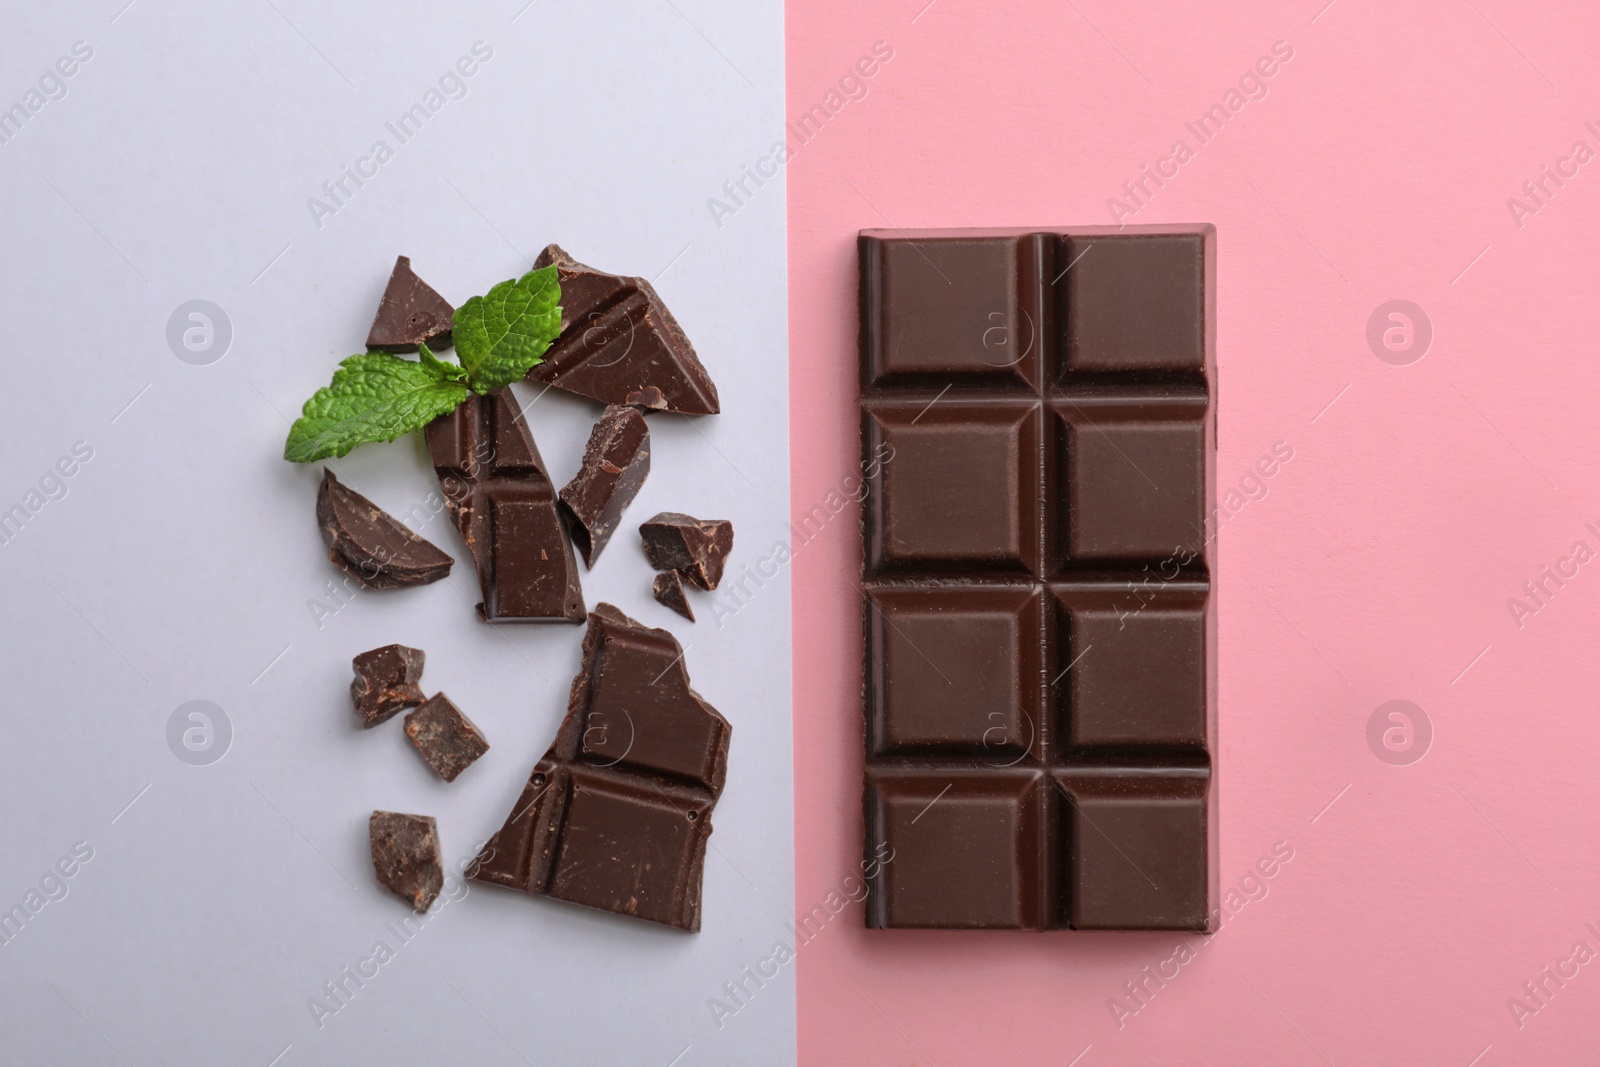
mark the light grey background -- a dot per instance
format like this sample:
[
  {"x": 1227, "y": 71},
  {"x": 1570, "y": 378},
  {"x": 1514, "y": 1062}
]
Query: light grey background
[{"x": 181, "y": 563}]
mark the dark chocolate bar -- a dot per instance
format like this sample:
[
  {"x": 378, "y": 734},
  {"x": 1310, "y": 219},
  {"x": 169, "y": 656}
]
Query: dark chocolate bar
[
  {"x": 1038, "y": 431},
  {"x": 504, "y": 505},
  {"x": 617, "y": 813},
  {"x": 620, "y": 345}
]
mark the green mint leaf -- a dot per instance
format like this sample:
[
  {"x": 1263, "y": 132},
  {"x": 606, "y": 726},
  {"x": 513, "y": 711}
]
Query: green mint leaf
[
  {"x": 373, "y": 397},
  {"x": 501, "y": 336},
  {"x": 447, "y": 371}
]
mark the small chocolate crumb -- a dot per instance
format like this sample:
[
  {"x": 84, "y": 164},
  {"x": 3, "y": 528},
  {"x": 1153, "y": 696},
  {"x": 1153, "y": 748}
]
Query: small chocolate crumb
[
  {"x": 371, "y": 545},
  {"x": 445, "y": 737},
  {"x": 386, "y": 682},
  {"x": 669, "y": 591},
  {"x": 696, "y": 548},
  {"x": 405, "y": 857}
]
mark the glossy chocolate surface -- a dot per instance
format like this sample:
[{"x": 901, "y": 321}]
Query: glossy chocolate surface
[
  {"x": 1038, "y": 431},
  {"x": 504, "y": 505},
  {"x": 370, "y": 545},
  {"x": 616, "y": 814},
  {"x": 615, "y": 464},
  {"x": 410, "y": 313},
  {"x": 620, "y": 345}
]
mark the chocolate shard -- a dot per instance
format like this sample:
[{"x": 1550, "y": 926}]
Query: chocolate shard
[
  {"x": 371, "y": 545},
  {"x": 445, "y": 737},
  {"x": 504, "y": 505},
  {"x": 615, "y": 463},
  {"x": 411, "y": 313},
  {"x": 620, "y": 345},
  {"x": 616, "y": 814},
  {"x": 696, "y": 548},
  {"x": 668, "y": 588},
  {"x": 386, "y": 682},
  {"x": 405, "y": 857}
]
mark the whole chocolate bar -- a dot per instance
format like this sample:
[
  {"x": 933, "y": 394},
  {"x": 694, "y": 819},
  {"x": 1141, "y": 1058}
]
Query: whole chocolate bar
[
  {"x": 504, "y": 504},
  {"x": 617, "y": 813},
  {"x": 1038, "y": 433}
]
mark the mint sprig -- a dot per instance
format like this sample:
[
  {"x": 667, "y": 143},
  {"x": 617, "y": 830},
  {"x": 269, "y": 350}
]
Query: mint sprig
[
  {"x": 502, "y": 335},
  {"x": 499, "y": 337}
]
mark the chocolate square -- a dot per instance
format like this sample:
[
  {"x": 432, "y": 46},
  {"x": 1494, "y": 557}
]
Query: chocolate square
[
  {"x": 965, "y": 850},
  {"x": 648, "y": 840},
  {"x": 956, "y": 671},
  {"x": 1138, "y": 664},
  {"x": 1135, "y": 480},
  {"x": 958, "y": 485},
  {"x": 1133, "y": 302},
  {"x": 966, "y": 307},
  {"x": 1138, "y": 854}
]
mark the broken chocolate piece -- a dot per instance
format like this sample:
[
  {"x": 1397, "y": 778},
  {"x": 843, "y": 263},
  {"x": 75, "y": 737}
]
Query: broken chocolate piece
[
  {"x": 386, "y": 682},
  {"x": 411, "y": 313},
  {"x": 620, "y": 345},
  {"x": 371, "y": 545},
  {"x": 445, "y": 737},
  {"x": 696, "y": 548},
  {"x": 669, "y": 591},
  {"x": 615, "y": 463},
  {"x": 504, "y": 504},
  {"x": 616, "y": 814},
  {"x": 405, "y": 856}
]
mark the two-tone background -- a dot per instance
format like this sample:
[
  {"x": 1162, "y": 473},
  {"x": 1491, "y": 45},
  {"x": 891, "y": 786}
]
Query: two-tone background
[{"x": 1442, "y": 900}]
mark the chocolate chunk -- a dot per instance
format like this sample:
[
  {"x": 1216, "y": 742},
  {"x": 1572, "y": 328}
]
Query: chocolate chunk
[
  {"x": 668, "y": 589},
  {"x": 386, "y": 682},
  {"x": 504, "y": 505},
  {"x": 696, "y": 548},
  {"x": 615, "y": 463},
  {"x": 616, "y": 814},
  {"x": 620, "y": 345},
  {"x": 1037, "y": 413},
  {"x": 410, "y": 314},
  {"x": 405, "y": 856},
  {"x": 445, "y": 737},
  {"x": 371, "y": 545}
]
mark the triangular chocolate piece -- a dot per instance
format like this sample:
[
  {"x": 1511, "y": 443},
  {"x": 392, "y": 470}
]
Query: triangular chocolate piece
[
  {"x": 504, "y": 504},
  {"x": 371, "y": 545},
  {"x": 668, "y": 589},
  {"x": 410, "y": 313},
  {"x": 617, "y": 813},
  {"x": 620, "y": 345}
]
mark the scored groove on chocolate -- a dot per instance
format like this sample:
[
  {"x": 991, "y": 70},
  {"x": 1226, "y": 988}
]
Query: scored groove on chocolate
[{"x": 1038, "y": 434}]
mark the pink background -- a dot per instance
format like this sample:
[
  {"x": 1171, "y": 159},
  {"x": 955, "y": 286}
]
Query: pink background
[{"x": 1377, "y": 567}]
